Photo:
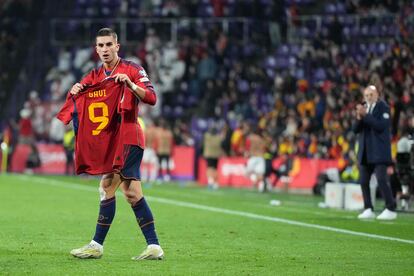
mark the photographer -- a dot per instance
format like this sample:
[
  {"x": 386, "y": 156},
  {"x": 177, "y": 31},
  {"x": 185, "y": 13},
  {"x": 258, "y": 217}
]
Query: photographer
[{"x": 404, "y": 166}]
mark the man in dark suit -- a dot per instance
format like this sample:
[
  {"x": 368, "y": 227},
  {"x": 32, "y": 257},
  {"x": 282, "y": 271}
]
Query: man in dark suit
[{"x": 374, "y": 154}]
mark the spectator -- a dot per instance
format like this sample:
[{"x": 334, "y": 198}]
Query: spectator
[
  {"x": 212, "y": 152},
  {"x": 26, "y": 135},
  {"x": 33, "y": 160},
  {"x": 69, "y": 146},
  {"x": 335, "y": 31},
  {"x": 165, "y": 144}
]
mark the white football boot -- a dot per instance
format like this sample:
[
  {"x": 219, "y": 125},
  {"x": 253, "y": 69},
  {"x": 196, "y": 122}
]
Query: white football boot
[
  {"x": 93, "y": 250},
  {"x": 152, "y": 252}
]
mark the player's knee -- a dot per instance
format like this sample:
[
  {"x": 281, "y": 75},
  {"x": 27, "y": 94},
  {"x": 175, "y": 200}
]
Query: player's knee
[
  {"x": 106, "y": 191},
  {"x": 108, "y": 186},
  {"x": 132, "y": 196}
]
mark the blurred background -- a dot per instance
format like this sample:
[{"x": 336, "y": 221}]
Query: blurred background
[{"x": 291, "y": 69}]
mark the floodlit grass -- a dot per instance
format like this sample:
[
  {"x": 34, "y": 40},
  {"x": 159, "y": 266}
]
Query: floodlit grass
[{"x": 43, "y": 218}]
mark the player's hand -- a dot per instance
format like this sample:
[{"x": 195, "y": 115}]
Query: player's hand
[
  {"x": 76, "y": 88},
  {"x": 123, "y": 78}
]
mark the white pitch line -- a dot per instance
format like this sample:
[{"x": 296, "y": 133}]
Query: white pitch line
[{"x": 75, "y": 186}]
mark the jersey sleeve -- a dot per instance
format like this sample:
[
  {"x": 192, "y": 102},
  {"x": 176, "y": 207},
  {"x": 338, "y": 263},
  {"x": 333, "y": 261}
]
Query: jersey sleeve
[
  {"x": 141, "y": 79},
  {"x": 65, "y": 113}
]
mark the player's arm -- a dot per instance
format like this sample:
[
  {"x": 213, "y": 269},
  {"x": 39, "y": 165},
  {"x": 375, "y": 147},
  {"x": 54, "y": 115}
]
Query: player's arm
[
  {"x": 140, "y": 87},
  {"x": 145, "y": 92}
]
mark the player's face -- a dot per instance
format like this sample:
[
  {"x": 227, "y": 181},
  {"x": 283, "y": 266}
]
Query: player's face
[{"x": 107, "y": 48}]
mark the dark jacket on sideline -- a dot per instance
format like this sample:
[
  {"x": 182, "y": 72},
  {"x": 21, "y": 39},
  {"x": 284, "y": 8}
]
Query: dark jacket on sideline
[{"x": 374, "y": 135}]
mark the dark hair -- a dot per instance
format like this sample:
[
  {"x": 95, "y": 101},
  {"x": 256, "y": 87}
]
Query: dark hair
[{"x": 107, "y": 32}]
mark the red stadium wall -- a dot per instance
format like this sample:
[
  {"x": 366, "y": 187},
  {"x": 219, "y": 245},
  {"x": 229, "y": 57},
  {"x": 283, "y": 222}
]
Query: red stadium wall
[
  {"x": 232, "y": 171},
  {"x": 182, "y": 163},
  {"x": 52, "y": 159}
]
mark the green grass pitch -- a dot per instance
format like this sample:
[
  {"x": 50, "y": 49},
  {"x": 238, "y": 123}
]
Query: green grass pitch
[{"x": 203, "y": 232}]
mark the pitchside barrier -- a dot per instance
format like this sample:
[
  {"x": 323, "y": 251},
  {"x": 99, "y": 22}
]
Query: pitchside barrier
[
  {"x": 302, "y": 175},
  {"x": 347, "y": 195},
  {"x": 231, "y": 170},
  {"x": 53, "y": 160},
  {"x": 181, "y": 164}
]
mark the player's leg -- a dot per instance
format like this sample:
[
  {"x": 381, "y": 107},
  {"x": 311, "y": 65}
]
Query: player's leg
[
  {"x": 131, "y": 187},
  {"x": 133, "y": 193},
  {"x": 155, "y": 166},
  {"x": 259, "y": 169},
  {"x": 167, "y": 177},
  {"x": 146, "y": 165},
  {"x": 107, "y": 188},
  {"x": 210, "y": 173},
  {"x": 251, "y": 171},
  {"x": 161, "y": 167}
]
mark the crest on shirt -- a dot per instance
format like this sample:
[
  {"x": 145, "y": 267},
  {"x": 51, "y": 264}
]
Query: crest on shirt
[
  {"x": 386, "y": 115},
  {"x": 143, "y": 73}
]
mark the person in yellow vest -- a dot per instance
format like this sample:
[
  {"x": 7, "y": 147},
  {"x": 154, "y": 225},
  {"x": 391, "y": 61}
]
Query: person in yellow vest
[
  {"x": 212, "y": 151},
  {"x": 69, "y": 146},
  {"x": 256, "y": 165},
  {"x": 165, "y": 144}
]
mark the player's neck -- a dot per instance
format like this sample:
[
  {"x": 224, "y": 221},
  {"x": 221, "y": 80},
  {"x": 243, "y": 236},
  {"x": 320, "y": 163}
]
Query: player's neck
[{"x": 111, "y": 65}]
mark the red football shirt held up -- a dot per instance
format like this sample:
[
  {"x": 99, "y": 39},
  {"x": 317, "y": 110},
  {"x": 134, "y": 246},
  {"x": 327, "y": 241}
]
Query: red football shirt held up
[
  {"x": 130, "y": 132},
  {"x": 96, "y": 119}
]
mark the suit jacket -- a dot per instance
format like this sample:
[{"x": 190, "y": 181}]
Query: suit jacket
[{"x": 374, "y": 135}]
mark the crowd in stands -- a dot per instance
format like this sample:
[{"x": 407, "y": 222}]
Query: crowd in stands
[
  {"x": 13, "y": 23},
  {"x": 300, "y": 91}
]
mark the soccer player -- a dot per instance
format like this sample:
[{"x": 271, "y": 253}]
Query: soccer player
[
  {"x": 165, "y": 144},
  {"x": 131, "y": 139},
  {"x": 256, "y": 165},
  {"x": 212, "y": 152},
  {"x": 150, "y": 158}
]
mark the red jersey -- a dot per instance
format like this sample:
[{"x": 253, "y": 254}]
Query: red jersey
[
  {"x": 130, "y": 131},
  {"x": 25, "y": 126},
  {"x": 96, "y": 119}
]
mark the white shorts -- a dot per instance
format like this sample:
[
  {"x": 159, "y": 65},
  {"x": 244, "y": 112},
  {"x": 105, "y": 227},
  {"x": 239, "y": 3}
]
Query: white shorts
[
  {"x": 150, "y": 156},
  {"x": 256, "y": 165}
]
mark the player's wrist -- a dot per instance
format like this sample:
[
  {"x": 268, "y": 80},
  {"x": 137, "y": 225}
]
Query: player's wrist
[{"x": 133, "y": 87}]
